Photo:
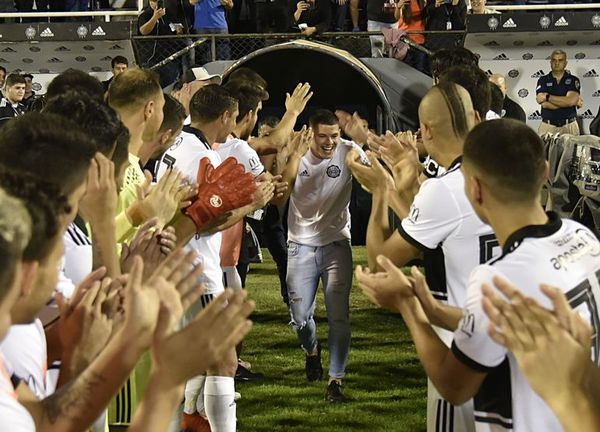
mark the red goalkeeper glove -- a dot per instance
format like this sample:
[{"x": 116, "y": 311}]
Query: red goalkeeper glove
[{"x": 220, "y": 190}]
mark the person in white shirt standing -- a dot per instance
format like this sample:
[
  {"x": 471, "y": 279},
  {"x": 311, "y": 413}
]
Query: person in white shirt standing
[{"x": 319, "y": 246}]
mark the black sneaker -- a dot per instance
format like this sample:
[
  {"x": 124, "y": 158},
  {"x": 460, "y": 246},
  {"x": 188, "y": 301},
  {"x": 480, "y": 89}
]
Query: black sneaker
[
  {"x": 334, "y": 393},
  {"x": 314, "y": 370},
  {"x": 243, "y": 374}
]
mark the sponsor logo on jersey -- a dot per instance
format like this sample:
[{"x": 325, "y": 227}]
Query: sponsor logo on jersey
[
  {"x": 538, "y": 74},
  {"x": 596, "y": 93},
  {"x": 561, "y": 22},
  {"x": 513, "y": 73},
  {"x": 414, "y": 214},
  {"x": 467, "y": 324},
  {"x": 501, "y": 56},
  {"x": 590, "y": 74},
  {"x": 523, "y": 93},
  {"x": 509, "y": 24},
  {"x": 333, "y": 171},
  {"x": 536, "y": 115},
  {"x": 493, "y": 23},
  {"x": 215, "y": 201},
  {"x": 545, "y": 22},
  {"x": 46, "y": 33},
  {"x": 588, "y": 115},
  {"x": 304, "y": 174},
  {"x": 581, "y": 244}
]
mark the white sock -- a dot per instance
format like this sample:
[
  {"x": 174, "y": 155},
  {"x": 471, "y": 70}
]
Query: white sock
[
  {"x": 193, "y": 388},
  {"x": 219, "y": 402}
]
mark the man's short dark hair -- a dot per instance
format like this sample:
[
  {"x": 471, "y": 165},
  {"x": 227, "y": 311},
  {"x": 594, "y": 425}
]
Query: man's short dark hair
[
  {"x": 99, "y": 120},
  {"x": 248, "y": 96},
  {"x": 210, "y": 102},
  {"x": 13, "y": 79},
  {"x": 133, "y": 88},
  {"x": 74, "y": 79},
  {"x": 497, "y": 99},
  {"x": 45, "y": 204},
  {"x": 48, "y": 146},
  {"x": 247, "y": 74},
  {"x": 322, "y": 117},
  {"x": 444, "y": 58},
  {"x": 476, "y": 82},
  {"x": 509, "y": 156},
  {"x": 118, "y": 60},
  {"x": 15, "y": 231},
  {"x": 270, "y": 121},
  {"x": 173, "y": 114}
]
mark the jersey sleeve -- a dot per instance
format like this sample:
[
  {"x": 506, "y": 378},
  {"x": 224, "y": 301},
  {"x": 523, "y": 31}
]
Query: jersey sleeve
[
  {"x": 433, "y": 215},
  {"x": 575, "y": 85},
  {"x": 540, "y": 87},
  {"x": 248, "y": 157},
  {"x": 472, "y": 345}
]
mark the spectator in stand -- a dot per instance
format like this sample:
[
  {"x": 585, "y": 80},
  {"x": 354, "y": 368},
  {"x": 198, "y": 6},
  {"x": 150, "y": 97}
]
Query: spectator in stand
[
  {"x": 444, "y": 15},
  {"x": 77, "y": 5},
  {"x": 377, "y": 19},
  {"x": 118, "y": 64},
  {"x": 355, "y": 15},
  {"x": 478, "y": 7},
  {"x": 30, "y": 95},
  {"x": 209, "y": 18},
  {"x": 11, "y": 106},
  {"x": 153, "y": 22},
  {"x": 271, "y": 16},
  {"x": 510, "y": 109},
  {"x": 312, "y": 16},
  {"x": 443, "y": 59},
  {"x": 340, "y": 10},
  {"x": 410, "y": 19}
]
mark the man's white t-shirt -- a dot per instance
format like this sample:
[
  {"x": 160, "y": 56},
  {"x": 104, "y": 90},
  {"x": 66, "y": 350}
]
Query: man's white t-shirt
[
  {"x": 443, "y": 224},
  {"x": 13, "y": 416},
  {"x": 319, "y": 204},
  {"x": 189, "y": 148},
  {"x": 562, "y": 253},
  {"x": 24, "y": 349}
]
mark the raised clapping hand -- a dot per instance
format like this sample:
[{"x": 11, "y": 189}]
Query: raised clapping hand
[
  {"x": 353, "y": 126},
  {"x": 372, "y": 178},
  {"x": 551, "y": 347},
  {"x": 296, "y": 102},
  {"x": 387, "y": 289}
]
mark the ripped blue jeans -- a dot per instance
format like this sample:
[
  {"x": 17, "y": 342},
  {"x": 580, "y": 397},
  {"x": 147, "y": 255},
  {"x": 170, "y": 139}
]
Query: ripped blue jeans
[{"x": 332, "y": 264}]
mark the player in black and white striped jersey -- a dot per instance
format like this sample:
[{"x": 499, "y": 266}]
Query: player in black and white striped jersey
[{"x": 440, "y": 224}]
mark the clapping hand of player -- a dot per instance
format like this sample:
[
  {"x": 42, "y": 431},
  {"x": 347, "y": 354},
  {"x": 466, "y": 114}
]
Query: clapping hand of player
[
  {"x": 400, "y": 154},
  {"x": 205, "y": 342},
  {"x": 151, "y": 244},
  {"x": 372, "y": 178},
  {"x": 353, "y": 126},
  {"x": 300, "y": 142},
  {"x": 387, "y": 289},
  {"x": 279, "y": 187},
  {"x": 100, "y": 200},
  {"x": 86, "y": 320},
  {"x": 265, "y": 192},
  {"x": 296, "y": 102},
  {"x": 162, "y": 200},
  {"x": 552, "y": 347}
]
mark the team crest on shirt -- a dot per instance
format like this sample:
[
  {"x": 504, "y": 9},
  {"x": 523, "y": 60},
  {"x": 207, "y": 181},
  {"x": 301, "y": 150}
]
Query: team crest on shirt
[
  {"x": 216, "y": 201},
  {"x": 333, "y": 171}
]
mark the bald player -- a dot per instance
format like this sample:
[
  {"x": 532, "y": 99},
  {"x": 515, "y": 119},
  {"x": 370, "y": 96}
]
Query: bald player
[
  {"x": 441, "y": 225},
  {"x": 510, "y": 109}
]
